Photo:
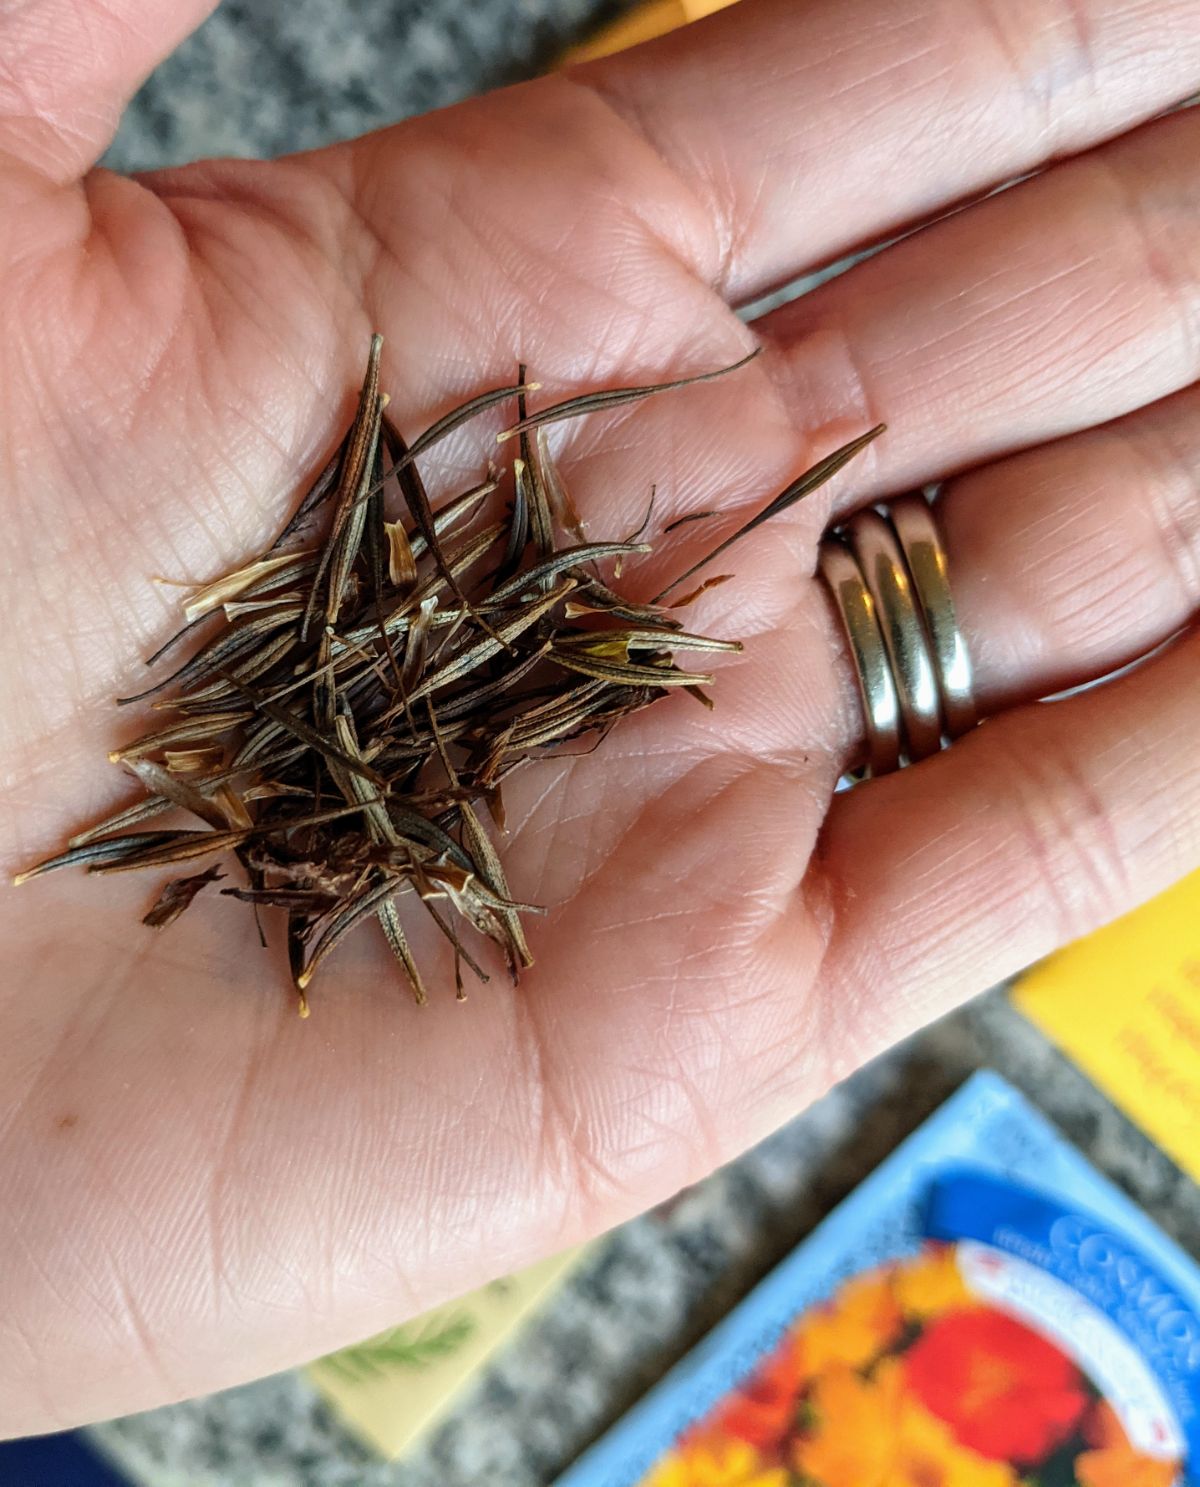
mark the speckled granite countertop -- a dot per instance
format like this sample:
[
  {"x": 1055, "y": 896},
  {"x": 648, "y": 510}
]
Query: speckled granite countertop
[{"x": 261, "y": 79}]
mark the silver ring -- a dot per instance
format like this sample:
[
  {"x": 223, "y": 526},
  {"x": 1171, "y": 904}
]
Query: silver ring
[
  {"x": 926, "y": 557},
  {"x": 874, "y": 544},
  {"x": 872, "y": 670},
  {"x": 888, "y": 577}
]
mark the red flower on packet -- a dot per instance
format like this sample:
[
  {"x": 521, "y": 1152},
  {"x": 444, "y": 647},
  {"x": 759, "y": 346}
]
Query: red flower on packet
[{"x": 1003, "y": 1389}]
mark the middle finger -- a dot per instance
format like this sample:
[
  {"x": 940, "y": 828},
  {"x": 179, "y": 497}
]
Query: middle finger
[
  {"x": 1062, "y": 303},
  {"x": 1074, "y": 558}
]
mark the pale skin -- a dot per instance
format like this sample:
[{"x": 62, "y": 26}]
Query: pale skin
[{"x": 195, "y": 1186}]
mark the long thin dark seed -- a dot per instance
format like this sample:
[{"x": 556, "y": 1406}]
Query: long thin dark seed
[
  {"x": 483, "y": 649},
  {"x": 578, "y": 692},
  {"x": 184, "y": 845},
  {"x": 351, "y": 534},
  {"x": 628, "y": 673},
  {"x": 300, "y": 900},
  {"x": 133, "y": 815},
  {"x": 413, "y": 490},
  {"x": 325, "y": 688},
  {"x": 518, "y": 529},
  {"x": 218, "y": 693},
  {"x": 350, "y": 914},
  {"x": 562, "y": 561},
  {"x": 306, "y": 733},
  {"x": 181, "y": 634},
  {"x": 802, "y": 486},
  {"x": 491, "y": 871},
  {"x": 578, "y": 716},
  {"x": 318, "y": 493},
  {"x": 616, "y": 397},
  {"x": 159, "y": 781},
  {"x": 447, "y": 425},
  {"x": 355, "y": 787},
  {"x": 355, "y": 463},
  {"x": 393, "y": 932},
  {"x": 221, "y": 651},
  {"x": 89, "y": 854},
  {"x": 470, "y": 701},
  {"x": 648, "y": 638}
]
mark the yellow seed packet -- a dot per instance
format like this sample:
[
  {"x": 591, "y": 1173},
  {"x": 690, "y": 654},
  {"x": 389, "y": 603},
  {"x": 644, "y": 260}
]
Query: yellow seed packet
[
  {"x": 1124, "y": 1003},
  {"x": 643, "y": 24},
  {"x": 393, "y": 1388}
]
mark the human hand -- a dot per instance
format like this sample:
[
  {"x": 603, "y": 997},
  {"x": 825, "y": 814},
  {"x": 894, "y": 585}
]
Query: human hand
[{"x": 195, "y": 1187}]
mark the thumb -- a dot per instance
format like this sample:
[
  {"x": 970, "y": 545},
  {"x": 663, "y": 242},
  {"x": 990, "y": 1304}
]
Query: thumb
[{"x": 69, "y": 67}]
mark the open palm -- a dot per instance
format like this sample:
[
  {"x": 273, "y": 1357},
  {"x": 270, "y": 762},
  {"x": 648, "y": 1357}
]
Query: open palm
[{"x": 195, "y": 1186}]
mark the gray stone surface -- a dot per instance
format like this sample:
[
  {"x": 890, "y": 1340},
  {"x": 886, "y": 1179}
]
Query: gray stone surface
[{"x": 261, "y": 78}]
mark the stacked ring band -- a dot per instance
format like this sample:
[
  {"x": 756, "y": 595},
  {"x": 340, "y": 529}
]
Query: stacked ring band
[{"x": 887, "y": 575}]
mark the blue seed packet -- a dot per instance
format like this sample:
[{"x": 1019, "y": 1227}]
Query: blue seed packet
[{"x": 985, "y": 1310}]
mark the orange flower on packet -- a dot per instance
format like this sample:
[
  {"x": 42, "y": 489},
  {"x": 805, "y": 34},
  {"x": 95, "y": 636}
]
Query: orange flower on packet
[
  {"x": 856, "y": 1426},
  {"x": 1122, "y": 1466},
  {"x": 731, "y": 1463},
  {"x": 1112, "y": 1461},
  {"x": 930, "y": 1284},
  {"x": 762, "y": 1412},
  {"x": 860, "y": 1323},
  {"x": 875, "y": 1433}
]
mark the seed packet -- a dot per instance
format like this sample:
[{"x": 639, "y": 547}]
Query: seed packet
[
  {"x": 395, "y": 1388},
  {"x": 985, "y": 1310},
  {"x": 1124, "y": 1003}
]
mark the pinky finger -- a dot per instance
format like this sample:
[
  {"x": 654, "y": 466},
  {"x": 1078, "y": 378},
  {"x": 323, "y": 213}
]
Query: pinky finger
[{"x": 1047, "y": 822}]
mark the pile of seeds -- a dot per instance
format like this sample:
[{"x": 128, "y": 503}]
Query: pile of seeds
[{"x": 353, "y": 714}]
